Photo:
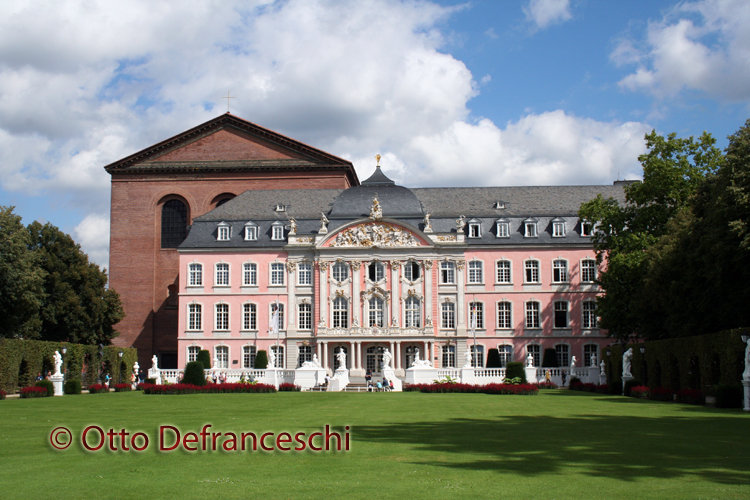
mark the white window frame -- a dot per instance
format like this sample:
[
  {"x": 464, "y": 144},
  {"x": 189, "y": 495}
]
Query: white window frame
[
  {"x": 562, "y": 351},
  {"x": 560, "y": 265},
  {"x": 588, "y": 352},
  {"x": 249, "y": 317},
  {"x": 340, "y": 315},
  {"x": 410, "y": 267},
  {"x": 251, "y": 231},
  {"x": 447, "y": 273},
  {"x": 195, "y": 274},
  {"x": 587, "y": 228},
  {"x": 275, "y": 271},
  {"x": 589, "y": 319},
  {"x": 224, "y": 358},
  {"x": 502, "y": 229},
  {"x": 279, "y": 355},
  {"x": 498, "y": 268},
  {"x": 374, "y": 313},
  {"x": 304, "y": 353},
  {"x": 504, "y": 313},
  {"x": 304, "y": 273},
  {"x": 558, "y": 229},
  {"x": 533, "y": 318},
  {"x": 224, "y": 315},
  {"x": 449, "y": 356},
  {"x": 223, "y": 232},
  {"x": 412, "y": 312},
  {"x": 536, "y": 354},
  {"x": 475, "y": 229},
  {"x": 587, "y": 271},
  {"x": 194, "y": 317},
  {"x": 271, "y": 306},
  {"x": 342, "y": 270},
  {"x": 479, "y": 354},
  {"x": 222, "y": 278},
  {"x": 530, "y": 228},
  {"x": 249, "y": 274},
  {"x": 475, "y": 272},
  {"x": 249, "y": 353},
  {"x": 557, "y": 307},
  {"x": 506, "y": 354},
  {"x": 480, "y": 314},
  {"x": 190, "y": 356},
  {"x": 277, "y": 231},
  {"x": 378, "y": 267},
  {"x": 535, "y": 272},
  {"x": 448, "y": 316},
  {"x": 304, "y": 316}
]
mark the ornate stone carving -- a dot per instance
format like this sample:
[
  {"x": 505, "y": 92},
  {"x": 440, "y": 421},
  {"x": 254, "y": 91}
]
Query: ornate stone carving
[
  {"x": 427, "y": 224},
  {"x": 447, "y": 237},
  {"x": 396, "y": 264},
  {"x": 292, "y": 226},
  {"x": 323, "y": 265},
  {"x": 355, "y": 264},
  {"x": 460, "y": 265},
  {"x": 427, "y": 264},
  {"x": 376, "y": 211},
  {"x": 375, "y": 235},
  {"x": 460, "y": 223},
  {"x": 291, "y": 266},
  {"x": 323, "y": 224}
]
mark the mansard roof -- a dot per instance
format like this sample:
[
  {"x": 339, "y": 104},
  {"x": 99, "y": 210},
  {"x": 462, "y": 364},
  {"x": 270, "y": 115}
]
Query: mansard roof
[{"x": 230, "y": 143}]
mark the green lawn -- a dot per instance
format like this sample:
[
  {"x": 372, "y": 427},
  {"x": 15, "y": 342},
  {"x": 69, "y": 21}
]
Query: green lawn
[{"x": 559, "y": 444}]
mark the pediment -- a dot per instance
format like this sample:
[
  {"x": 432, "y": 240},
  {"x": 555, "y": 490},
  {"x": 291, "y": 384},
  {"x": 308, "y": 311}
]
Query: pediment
[{"x": 378, "y": 234}]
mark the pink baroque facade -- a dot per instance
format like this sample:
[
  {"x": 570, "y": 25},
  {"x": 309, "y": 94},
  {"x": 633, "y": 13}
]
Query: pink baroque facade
[{"x": 380, "y": 266}]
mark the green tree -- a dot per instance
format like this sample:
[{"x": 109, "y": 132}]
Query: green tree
[
  {"x": 21, "y": 279},
  {"x": 77, "y": 306},
  {"x": 672, "y": 171}
]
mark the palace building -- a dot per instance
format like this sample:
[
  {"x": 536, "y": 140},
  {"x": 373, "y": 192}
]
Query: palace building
[{"x": 216, "y": 228}]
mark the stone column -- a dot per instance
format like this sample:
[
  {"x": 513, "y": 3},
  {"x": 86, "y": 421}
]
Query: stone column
[
  {"x": 397, "y": 356},
  {"x": 356, "y": 267},
  {"x": 325, "y": 356},
  {"x": 359, "y": 355},
  {"x": 323, "y": 266}
]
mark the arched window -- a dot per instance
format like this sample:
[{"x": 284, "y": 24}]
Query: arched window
[
  {"x": 374, "y": 358},
  {"x": 173, "y": 224}
]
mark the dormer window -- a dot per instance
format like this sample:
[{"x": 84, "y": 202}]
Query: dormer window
[
  {"x": 280, "y": 208},
  {"x": 224, "y": 232},
  {"x": 558, "y": 228},
  {"x": 475, "y": 228},
  {"x": 499, "y": 205},
  {"x": 530, "y": 226},
  {"x": 251, "y": 231},
  {"x": 503, "y": 228},
  {"x": 586, "y": 228},
  {"x": 277, "y": 231}
]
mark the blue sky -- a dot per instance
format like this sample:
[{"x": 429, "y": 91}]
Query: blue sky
[{"x": 534, "y": 92}]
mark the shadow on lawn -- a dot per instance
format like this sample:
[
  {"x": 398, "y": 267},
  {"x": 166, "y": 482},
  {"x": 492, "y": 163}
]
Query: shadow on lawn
[{"x": 626, "y": 448}]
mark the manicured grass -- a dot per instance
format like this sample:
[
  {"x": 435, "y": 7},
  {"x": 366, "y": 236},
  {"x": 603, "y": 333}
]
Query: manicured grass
[{"x": 559, "y": 444}]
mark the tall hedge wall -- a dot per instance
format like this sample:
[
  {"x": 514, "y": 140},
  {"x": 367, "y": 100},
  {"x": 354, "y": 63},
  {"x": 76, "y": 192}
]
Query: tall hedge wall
[
  {"x": 698, "y": 362},
  {"x": 21, "y": 360}
]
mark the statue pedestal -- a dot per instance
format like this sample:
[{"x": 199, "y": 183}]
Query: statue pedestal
[
  {"x": 307, "y": 378},
  {"x": 339, "y": 381},
  {"x": 57, "y": 383},
  {"x": 420, "y": 375},
  {"x": 154, "y": 374},
  {"x": 391, "y": 377},
  {"x": 746, "y": 385},
  {"x": 531, "y": 375},
  {"x": 625, "y": 379}
]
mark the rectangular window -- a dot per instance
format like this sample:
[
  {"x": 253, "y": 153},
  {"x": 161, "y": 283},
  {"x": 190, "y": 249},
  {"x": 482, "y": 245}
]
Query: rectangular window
[
  {"x": 535, "y": 352},
  {"x": 447, "y": 273},
  {"x": 506, "y": 355},
  {"x": 530, "y": 230},
  {"x": 222, "y": 317},
  {"x": 251, "y": 233},
  {"x": 304, "y": 273},
  {"x": 223, "y": 233},
  {"x": 340, "y": 313},
  {"x": 532, "y": 271},
  {"x": 279, "y": 352},
  {"x": 477, "y": 356},
  {"x": 563, "y": 354},
  {"x": 249, "y": 317},
  {"x": 277, "y": 273},
  {"x": 412, "y": 313},
  {"x": 558, "y": 229},
  {"x": 561, "y": 314},
  {"x": 475, "y": 272},
  {"x": 532, "y": 315},
  {"x": 248, "y": 356},
  {"x": 503, "y": 230},
  {"x": 448, "y": 315},
  {"x": 222, "y": 274},
  {"x": 449, "y": 356},
  {"x": 305, "y": 316},
  {"x": 475, "y": 231},
  {"x": 589, "y": 319},
  {"x": 476, "y": 315},
  {"x": 193, "y": 353},
  {"x": 194, "y": 317},
  {"x": 586, "y": 228},
  {"x": 222, "y": 356},
  {"x": 588, "y": 271},
  {"x": 560, "y": 271},
  {"x": 376, "y": 311},
  {"x": 195, "y": 273},
  {"x": 281, "y": 314},
  {"x": 249, "y": 274},
  {"x": 277, "y": 233},
  {"x": 503, "y": 315},
  {"x": 590, "y": 352},
  {"x": 304, "y": 354},
  {"x": 503, "y": 271}
]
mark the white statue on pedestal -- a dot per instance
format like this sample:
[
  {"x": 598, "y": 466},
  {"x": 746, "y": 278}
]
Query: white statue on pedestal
[
  {"x": 467, "y": 358},
  {"x": 593, "y": 359},
  {"x": 573, "y": 362},
  {"x": 626, "y": 363},
  {"x": 746, "y": 373},
  {"x": 136, "y": 368},
  {"x": 154, "y": 362},
  {"x": 58, "y": 362},
  {"x": 601, "y": 367},
  {"x": 419, "y": 362},
  {"x": 312, "y": 364},
  {"x": 529, "y": 360},
  {"x": 271, "y": 359},
  {"x": 341, "y": 358},
  {"x": 387, "y": 357},
  {"x": 323, "y": 224}
]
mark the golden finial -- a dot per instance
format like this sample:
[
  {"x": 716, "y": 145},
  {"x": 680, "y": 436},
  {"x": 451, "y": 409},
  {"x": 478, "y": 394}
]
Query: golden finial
[{"x": 377, "y": 157}]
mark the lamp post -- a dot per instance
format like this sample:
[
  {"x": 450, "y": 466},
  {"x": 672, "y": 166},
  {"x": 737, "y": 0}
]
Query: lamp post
[
  {"x": 643, "y": 366},
  {"x": 119, "y": 368}
]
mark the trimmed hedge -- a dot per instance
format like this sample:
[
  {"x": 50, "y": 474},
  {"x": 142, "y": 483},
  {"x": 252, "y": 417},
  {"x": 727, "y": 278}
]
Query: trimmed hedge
[
  {"x": 550, "y": 359},
  {"x": 72, "y": 387},
  {"x": 515, "y": 389},
  {"x": 515, "y": 369},
  {"x": 261, "y": 360},
  {"x": 729, "y": 396},
  {"x": 21, "y": 360},
  {"x": 493, "y": 359},
  {"x": 47, "y": 384},
  {"x": 204, "y": 357},
  {"x": 209, "y": 388},
  {"x": 194, "y": 373}
]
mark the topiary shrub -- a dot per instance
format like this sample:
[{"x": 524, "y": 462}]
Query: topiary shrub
[
  {"x": 550, "y": 359},
  {"x": 194, "y": 373},
  {"x": 151, "y": 381},
  {"x": 72, "y": 387},
  {"x": 729, "y": 396},
  {"x": 515, "y": 369},
  {"x": 493, "y": 359},
  {"x": 261, "y": 360},
  {"x": 204, "y": 357},
  {"x": 47, "y": 384}
]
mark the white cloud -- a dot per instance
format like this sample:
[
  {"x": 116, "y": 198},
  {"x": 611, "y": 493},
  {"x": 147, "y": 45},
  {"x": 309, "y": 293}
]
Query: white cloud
[
  {"x": 544, "y": 13},
  {"x": 93, "y": 236},
  {"x": 703, "y": 46}
]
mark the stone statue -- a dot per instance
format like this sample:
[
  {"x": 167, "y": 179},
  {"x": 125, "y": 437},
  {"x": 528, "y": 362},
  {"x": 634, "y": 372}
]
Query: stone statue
[
  {"x": 467, "y": 358},
  {"x": 601, "y": 369},
  {"x": 387, "y": 357},
  {"x": 376, "y": 212},
  {"x": 573, "y": 362},
  {"x": 461, "y": 223},
  {"x": 136, "y": 368},
  {"x": 529, "y": 360},
  {"x": 58, "y": 362},
  {"x": 746, "y": 373},
  {"x": 341, "y": 358},
  {"x": 593, "y": 359},
  {"x": 323, "y": 224},
  {"x": 315, "y": 361},
  {"x": 427, "y": 224},
  {"x": 420, "y": 362},
  {"x": 271, "y": 359},
  {"x": 626, "y": 363},
  {"x": 155, "y": 362},
  {"x": 292, "y": 226},
  {"x": 216, "y": 362}
]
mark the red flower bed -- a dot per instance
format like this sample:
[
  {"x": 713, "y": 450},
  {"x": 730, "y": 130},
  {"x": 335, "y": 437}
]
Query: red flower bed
[
  {"x": 545, "y": 385},
  {"x": 691, "y": 397},
  {"x": 639, "y": 391},
  {"x": 2, "y": 394},
  {"x": 661, "y": 394},
  {"x": 289, "y": 388},
  {"x": 123, "y": 387},
  {"x": 519, "y": 389},
  {"x": 142, "y": 386},
  {"x": 208, "y": 388},
  {"x": 34, "y": 392},
  {"x": 580, "y": 386},
  {"x": 97, "y": 388}
]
